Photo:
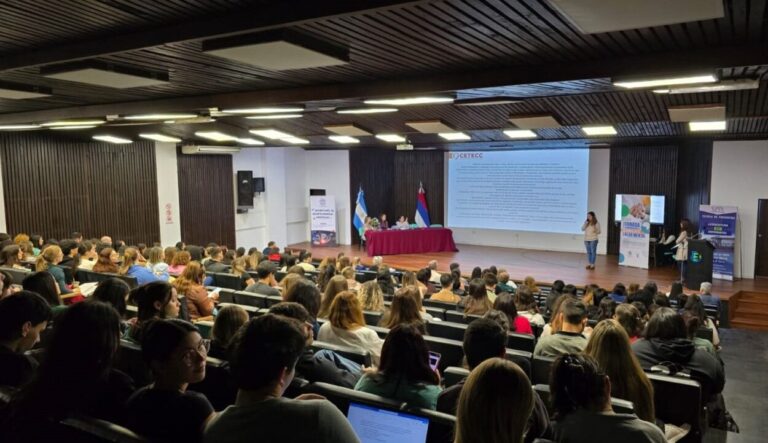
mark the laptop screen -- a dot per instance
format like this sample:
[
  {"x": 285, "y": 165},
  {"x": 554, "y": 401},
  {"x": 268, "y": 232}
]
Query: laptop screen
[{"x": 376, "y": 425}]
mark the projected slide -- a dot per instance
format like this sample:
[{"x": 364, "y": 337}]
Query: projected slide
[{"x": 523, "y": 190}]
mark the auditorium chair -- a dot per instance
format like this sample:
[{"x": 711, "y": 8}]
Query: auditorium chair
[
  {"x": 226, "y": 295},
  {"x": 250, "y": 299},
  {"x": 451, "y": 351},
  {"x": 296, "y": 388},
  {"x": 541, "y": 367},
  {"x": 252, "y": 311},
  {"x": 447, "y": 329},
  {"x": 273, "y": 300},
  {"x": 17, "y": 275},
  {"x": 438, "y": 304},
  {"x": 522, "y": 359},
  {"x": 372, "y": 317},
  {"x": 365, "y": 276},
  {"x": 677, "y": 401},
  {"x": 354, "y": 354},
  {"x": 224, "y": 280},
  {"x": 205, "y": 327},
  {"x": 459, "y": 317},
  {"x": 435, "y": 312},
  {"x": 521, "y": 342},
  {"x": 130, "y": 361},
  {"x": 382, "y": 332},
  {"x": 619, "y": 406},
  {"x": 69, "y": 276},
  {"x": 705, "y": 333},
  {"x": 537, "y": 330},
  {"x": 342, "y": 397},
  {"x": 218, "y": 385},
  {"x": 279, "y": 275},
  {"x": 441, "y": 425},
  {"x": 453, "y": 375},
  {"x": 84, "y": 429},
  {"x": 85, "y": 276}
]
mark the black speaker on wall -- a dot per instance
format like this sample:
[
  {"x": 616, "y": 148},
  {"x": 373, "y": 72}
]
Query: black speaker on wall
[
  {"x": 258, "y": 184},
  {"x": 244, "y": 190}
]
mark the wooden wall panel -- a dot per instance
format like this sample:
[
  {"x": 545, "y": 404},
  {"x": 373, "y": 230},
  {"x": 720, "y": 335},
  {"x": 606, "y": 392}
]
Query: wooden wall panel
[
  {"x": 374, "y": 170},
  {"x": 206, "y": 199},
  {"x": 694, "y": 178},
  {"x": 412, "y": 167},
  {"x": 54, "y": 186}
]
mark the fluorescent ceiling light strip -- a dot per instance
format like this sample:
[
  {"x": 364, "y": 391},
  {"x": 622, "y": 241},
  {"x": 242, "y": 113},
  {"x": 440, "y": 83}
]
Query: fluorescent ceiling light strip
[
  {"x": 112, "y": 139},
  {"x": 17, "y": 127},
  {"x": 454, "y": 136},
  {"x": 74, "y": 123},
  {"x": 391, "y": 138},
  {"x": 407, "y": 101},
  {"x": 73, "y": 127},
  {"x": 365, "y": 110},
  {"x": 272, "y": 134},
  {"x": 668, "y": 81},
  {"x": 725, "y": 85},
  {"x": 264, "y": 110},
  {"x": 599, "y": 130},
  {"x": 707, "y": 126},
  {"x": 160, "y": 138},
  {"x": 250, "y": 141},
  {"x": 295, "y": 140},
  {"x": 520, "y": 133},
  {"x": 274, "y": 116},
  {"x": 344, "y": 139},
  {"x": 215, "y": 136},
  {"x": 159, "y": 116}
]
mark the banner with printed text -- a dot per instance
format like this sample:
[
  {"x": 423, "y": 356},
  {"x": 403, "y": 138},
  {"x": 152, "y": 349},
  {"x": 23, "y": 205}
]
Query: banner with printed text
[
  {"x": 635, "y": 230},
  {"x": 718, "y": 225},
  {"x": 322, "y": 220}
]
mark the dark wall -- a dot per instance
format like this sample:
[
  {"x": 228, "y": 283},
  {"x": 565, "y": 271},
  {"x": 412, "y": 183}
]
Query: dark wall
[
  {"x": 694, "y": 178},
  {"x": 206, "y": 199},
  {"x": 391, "y": 179},
  {"x": 54, "y": 186}
]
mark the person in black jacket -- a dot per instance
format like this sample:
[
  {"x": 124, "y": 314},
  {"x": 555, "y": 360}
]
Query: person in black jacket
[
  {"x": 322, "y": 366},
  {"x": 23, "y": 317}
]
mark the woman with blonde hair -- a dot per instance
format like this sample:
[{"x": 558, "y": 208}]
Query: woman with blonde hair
[
  {"x": 179, "y": 262},
  {"x": 49, "y": 260},
  {"x": 238, "y": 269},
  {"x": 371, "y": 297},
  {"x": 530, "y": 283},
  {"x": 190, "y": 285},
  {"x": 228, "y": 321},
  {"x": 346, "y": 326},
  {"x": 349, "y": 274},
  {"x": 494, "y": 404},
  {"x": 253, "y": 259},
  {"x": 335, "y": 285},
  {"x": 288, "y": 283},
  {"x": 156, "y": 264},
  {"x": 609, "y": 346}
]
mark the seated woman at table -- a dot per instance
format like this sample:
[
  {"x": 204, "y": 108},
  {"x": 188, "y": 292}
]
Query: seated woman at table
[
  {"x": 383, "y": 222},
  {"x": 402, "y": 223}
]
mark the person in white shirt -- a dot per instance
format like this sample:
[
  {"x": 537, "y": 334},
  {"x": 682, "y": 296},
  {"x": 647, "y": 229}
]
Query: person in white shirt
[
  {"x": 305, "y": 261},
  {"x": 591, "y": 230},
  {"x": 346, "y": 327},
  {"x": 402, "y": 223},
  {"x": 434, "y": 276}
]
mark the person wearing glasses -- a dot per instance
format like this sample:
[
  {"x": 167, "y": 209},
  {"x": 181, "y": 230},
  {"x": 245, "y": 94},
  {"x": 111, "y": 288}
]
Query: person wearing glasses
[{"x": 165, "y": 410}]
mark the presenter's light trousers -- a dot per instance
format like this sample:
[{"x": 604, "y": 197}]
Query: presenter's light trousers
[{"x": 591, "y": 251}]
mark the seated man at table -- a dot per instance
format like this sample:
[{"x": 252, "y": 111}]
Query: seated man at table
[{"x": 402, "y": 223}]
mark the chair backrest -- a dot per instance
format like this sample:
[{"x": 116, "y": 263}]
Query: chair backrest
[
  {"x": 705, "y": 333},
  {"x": 619, "y": 406},
  {"x": 226, "y": 295},
  {"x": 439, "y": 304},
  {"x": 205, "y": 327},
  {"x": 218, "y": 385},
  {"x": 365, "y": 276},
  {"x": 89, "y": 429},
  {"x": 455, "y": 316},
  {"x": 447, "y": 329},
  {"x": 522, "y": 359},
  {"x": 354, "y": 354},
  {"x": 69, "y": 276},
  {"x": 372, "y": 317},
  {"x": 86, "y": 276},
  {"x": 250, "y": 299},
  {"x": 453, "y": 375},
  {"x": 18, "y": 275},
  {"x": 279, "y": 275},
  {"x": 678, "y": 400},
  {"x": 130, "y": 361},
  {"x": 273, "y": 300},
  {"x": 224, "y": 280},
  {"x": 451, "y": 351},
  {"x": 541, "y": 367},
  {"x": 441, "y": 425},
  {"x": 380, "y": 331},
  {"x": 435, "y": 312},
  {"x": 252, "y": 311},
  {"x": 342, "y": 397},
  {"x": 521, "y": 342}
]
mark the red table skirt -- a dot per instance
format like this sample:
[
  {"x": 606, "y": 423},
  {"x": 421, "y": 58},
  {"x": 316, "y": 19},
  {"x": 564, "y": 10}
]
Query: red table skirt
[{"x": 412, "y": 241}]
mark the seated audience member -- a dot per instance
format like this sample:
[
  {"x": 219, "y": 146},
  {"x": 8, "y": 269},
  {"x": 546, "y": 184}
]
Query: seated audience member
[
  {"x": 228, "y": 321},
  {"x": 555, "y": 292},
  {"x": 179, "y": 262},
  {"x": 631, "y": 290},
  {"x": 43, "y": 284},
  {"x": 324, "y": 275},
  {"x": 169, "y": 253},
  {"x": 446, "y": 294},
  {"x": 324, "y": 365},
  {"x": 609, "y": 346},
  {"x": 88, "y": 255},
  {"x": 404, "y": 373},
  {"x": 214, "y": 263},
  {"x": 434, "y": 276},
  {"x": 706, "y": 295},
  {"x": 200, "y": 303},
  {"x": 385, "y": 281},
  {"x": 49, "y": 260},
  {"x": 268, "y": 250},
  {"x": 6, "y": 284},
  {"x": 349, "y": 274},
  {"x": 607, "y": 309},
  {"x": 346, "y": 326},
  {"x": 676, "y": 292},
  {"x": 132, "y": 268},
  {"x": 106, "y": 240},
  {"x": 376, "y": 263},
  {"x": 517, "y": 323},
  {"x": 305, "y": 261},
  {"x": 555, "y": 321},
  {"x": 477, "y": 301},
  {"x": 590, "y": 291},
  {"x": 527, "y": 306},
  {"x": 530, "y": 283},
  {"x": 692, "y": 326},
  {"x": 229, "y": 257},
  {"x": 266, "y": 283},
  {"x": 343, "y": 261},
  {"x": 23, "y": 317},
  {"x": 569, "y": 339},
  {"x": 11, "y": 256},
  {"x": 156, "y": 264},
  {"x": 306, "y": 294},
  {"x": 495, "y": 404},
  {"x": 37, "y": 243},
  {"x": 113, "y": 291},
  {"x": 695, "y": 306},
  {"x": 263, "y": 363},
  {"x": 580, "y": 394},
  {"x": 619, "y": 293},
  {"x": 404, "y": 309},
  {"x": 371, "y": 297},
  {"x": 490, "y": 281},
  {"x": 76, "y": 377},
  {"x": 505, "y": 284},
  {"x": 154, "y": 300},
  {"x": 485, "y": 339},
  {"x": 666, "y": 341},
  {"x": 107, "y": 261},
  {"x": 288, "y": 282},
  {"x": 165, "y": 410},
  {"x": 69, "y": 251},
  {"x": 336, "y": 285},
  {"x": 358, "y": 265},
  {"x": 629, "y": 318},
  {"x": 238, "y": 269}
]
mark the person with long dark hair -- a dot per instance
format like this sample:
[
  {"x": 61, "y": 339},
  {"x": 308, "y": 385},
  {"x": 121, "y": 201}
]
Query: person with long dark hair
[
  {"x": 155, "y": 300},
  {"x": 404, "y": 373},
  {"x": 44, "y": 284},
  {"x": 505, "y": 302},
  {"x": 477, "y": 301},
  {"x": 591, "y": 229}
]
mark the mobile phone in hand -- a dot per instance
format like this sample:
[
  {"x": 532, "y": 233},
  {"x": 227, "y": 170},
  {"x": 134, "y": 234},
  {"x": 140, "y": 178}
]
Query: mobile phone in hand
[{"x": 434, "y": 360}]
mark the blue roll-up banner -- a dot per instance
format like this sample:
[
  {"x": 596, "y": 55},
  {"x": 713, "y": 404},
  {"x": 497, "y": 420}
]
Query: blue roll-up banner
[{"x": 718, "y": 225}]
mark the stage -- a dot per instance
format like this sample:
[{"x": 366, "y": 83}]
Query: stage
[{"x": 544, "y": 266}]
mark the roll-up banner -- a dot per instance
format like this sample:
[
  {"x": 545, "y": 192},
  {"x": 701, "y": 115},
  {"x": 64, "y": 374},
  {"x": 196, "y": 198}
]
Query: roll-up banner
[
  {"x": 635, "y": 230},
  {"x": 718, "y": 225},
  {"x": 322, "y": 220}
]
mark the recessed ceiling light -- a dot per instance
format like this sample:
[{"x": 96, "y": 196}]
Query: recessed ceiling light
[
  {"x": 392, "y": 138},
  {"x": 430, "y": 126},
  {"x": 599, "y": 130},
  {"x": 344, "y": 139},
  {"x": 264, "y": 110},
  {"x": 272, "y": 134},
  {"x": 159, "y": 116},
  {"x": 74, "y": 123},
  {"x": 274, "y": 116},
  {"x": 112, "y": 139},
  {"x": 18, "y": 127},
  {"x": 723, "y": 85},
  {"x": 16, "y": 91},
  {"x": 72, "y": 127},
  {"x": 249, "y": 141},
  {"x": 99, "y": 73},
  {"x": 535, "y": 121},
  {"x": 520, "y": 133},
  {"x": 215, "y": 136},
  {"x": 295, "y": 140},
  {"x": 487, "y": 101},
  {"x": 365, "y": 110},
  {"x": 666, "y": 81},
  {"x": 349, "y": 129},
  {"x": 697, "y": 113},
  {"x": 454, "y": 136},
  {"x": 160, "y": 138},
  {"x": 707, "y": 126},
  {"x": 407, "y": 101}
]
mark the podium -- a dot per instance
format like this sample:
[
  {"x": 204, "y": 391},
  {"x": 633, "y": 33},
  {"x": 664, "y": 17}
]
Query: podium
[{"x": 698, "y": 268}]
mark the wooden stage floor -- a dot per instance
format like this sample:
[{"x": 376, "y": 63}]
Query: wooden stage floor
[{"x": 544, "y": 266}]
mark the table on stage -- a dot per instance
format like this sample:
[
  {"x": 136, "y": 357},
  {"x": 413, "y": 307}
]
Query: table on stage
[{"x": 411, "y": 241}]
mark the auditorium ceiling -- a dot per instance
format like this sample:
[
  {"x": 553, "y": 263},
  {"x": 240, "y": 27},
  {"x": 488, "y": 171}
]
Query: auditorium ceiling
[{"x": 516, "y": 58}]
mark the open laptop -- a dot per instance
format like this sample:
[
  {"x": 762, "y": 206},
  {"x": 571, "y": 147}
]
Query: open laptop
[{"x": 376, "y": 425}]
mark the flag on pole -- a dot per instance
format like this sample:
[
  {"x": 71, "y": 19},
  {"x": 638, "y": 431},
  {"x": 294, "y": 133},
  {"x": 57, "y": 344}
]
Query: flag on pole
[
  {"x": 361, "y": 212},
  {"x": 422, "y": 213}
]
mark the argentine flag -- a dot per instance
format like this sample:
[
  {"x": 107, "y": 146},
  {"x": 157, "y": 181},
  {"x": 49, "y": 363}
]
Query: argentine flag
[
  {"x": 360, "y": 211},
  {"x": 422, "y": 213}
]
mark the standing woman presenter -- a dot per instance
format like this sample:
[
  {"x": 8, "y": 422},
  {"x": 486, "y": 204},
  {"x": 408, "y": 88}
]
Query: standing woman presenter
[
  {"x": 681, "y": 255},
  {"x": 591, "y": 230}
]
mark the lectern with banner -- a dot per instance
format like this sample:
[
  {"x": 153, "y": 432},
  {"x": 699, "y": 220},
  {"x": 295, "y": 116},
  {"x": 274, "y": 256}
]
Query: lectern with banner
[{"x": 698, "y": 269}]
